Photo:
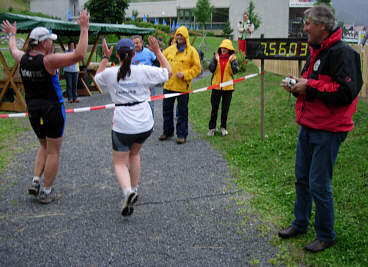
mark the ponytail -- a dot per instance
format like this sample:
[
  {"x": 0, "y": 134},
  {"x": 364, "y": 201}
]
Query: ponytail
[{"x": 125, "y": 62}]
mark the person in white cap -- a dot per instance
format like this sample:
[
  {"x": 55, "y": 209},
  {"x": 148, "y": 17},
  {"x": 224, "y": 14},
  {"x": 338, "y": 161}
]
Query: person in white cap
[
  {"x": 45, "y": 103},
  {"x": 128, "y": 86}
]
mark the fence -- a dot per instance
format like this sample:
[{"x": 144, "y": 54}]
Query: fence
[{"x": 285, "y": 67}]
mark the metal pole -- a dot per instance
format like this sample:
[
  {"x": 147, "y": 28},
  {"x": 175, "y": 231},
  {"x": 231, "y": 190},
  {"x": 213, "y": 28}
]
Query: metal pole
[{"x": 262, "y": 95}]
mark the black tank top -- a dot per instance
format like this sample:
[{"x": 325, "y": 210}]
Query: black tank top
[{"x": 39, "y": 85}]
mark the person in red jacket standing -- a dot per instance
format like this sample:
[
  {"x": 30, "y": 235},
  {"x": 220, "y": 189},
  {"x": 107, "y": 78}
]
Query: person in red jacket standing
[{"x": 326, "y": 101}]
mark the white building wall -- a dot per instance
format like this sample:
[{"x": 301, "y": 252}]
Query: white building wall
[
  {"x": 192, "y": 3},
  {"x": 275, "y": 18},
  {"x": 153, "y": 9},
  {"x": 51, "y": 7},
  {"x": 56, "y": 8}
]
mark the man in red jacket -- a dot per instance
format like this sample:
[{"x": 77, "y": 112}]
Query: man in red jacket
[{"x": 326, "y": 101}]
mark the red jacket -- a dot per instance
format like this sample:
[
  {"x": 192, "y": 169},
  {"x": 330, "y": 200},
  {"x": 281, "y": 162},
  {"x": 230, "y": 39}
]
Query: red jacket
[{"x": 334, "y": 81}]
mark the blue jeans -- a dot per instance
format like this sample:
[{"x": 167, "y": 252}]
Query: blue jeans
[
  {"x": 71, "y": 79},
  {"x": 168, "y": 114},
  {"x": 315, "y": 158}
]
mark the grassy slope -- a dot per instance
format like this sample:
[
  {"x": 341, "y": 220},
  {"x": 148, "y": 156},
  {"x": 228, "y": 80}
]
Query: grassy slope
[
  {"x": 265, "y": 168},
  {"x": 15, "y": 4}
]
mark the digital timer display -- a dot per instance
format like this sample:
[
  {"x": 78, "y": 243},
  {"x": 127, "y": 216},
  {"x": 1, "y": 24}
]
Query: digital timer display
[{"x": 285, "y": 49}]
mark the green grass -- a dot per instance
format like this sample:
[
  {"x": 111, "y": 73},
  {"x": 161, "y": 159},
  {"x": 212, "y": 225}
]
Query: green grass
[
  {"x": 264, "y": 168},
  {"x": 9, "y": 131}
]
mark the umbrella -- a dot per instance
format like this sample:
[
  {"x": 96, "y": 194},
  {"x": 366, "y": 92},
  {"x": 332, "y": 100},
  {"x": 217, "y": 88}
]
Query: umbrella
[{"x": 69, "y": 15}]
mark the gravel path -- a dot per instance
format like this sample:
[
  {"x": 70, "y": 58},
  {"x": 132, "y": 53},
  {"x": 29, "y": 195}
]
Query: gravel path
[{"x": 186, "y": 214}]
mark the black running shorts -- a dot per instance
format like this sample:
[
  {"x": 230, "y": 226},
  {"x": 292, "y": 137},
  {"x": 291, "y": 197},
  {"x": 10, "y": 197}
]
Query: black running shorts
[
  {"x": 47, "y": 120},
  {"x": 123, "y": 142}
]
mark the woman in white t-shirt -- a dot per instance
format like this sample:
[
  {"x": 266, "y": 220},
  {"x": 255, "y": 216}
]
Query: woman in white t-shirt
[{"x": 132, "y": 122}]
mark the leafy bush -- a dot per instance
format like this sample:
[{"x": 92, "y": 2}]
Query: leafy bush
[
  {"x": 242, "y": 61},
  {"x": 163, "y": 28},
  {"x": 227, "y": 31}
]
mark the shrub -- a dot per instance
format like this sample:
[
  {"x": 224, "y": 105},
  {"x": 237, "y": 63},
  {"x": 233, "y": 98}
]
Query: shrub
[
  {"x": 242, "y": 61},
  {"x": 227, "y": 31}
]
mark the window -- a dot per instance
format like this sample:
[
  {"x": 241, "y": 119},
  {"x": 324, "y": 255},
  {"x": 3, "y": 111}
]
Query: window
[
  {"x": 220, "y": 15},
  {"x": 185, "y": 16}
]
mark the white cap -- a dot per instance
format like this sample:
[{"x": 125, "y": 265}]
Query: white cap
[{"x": 39, "y": 34}]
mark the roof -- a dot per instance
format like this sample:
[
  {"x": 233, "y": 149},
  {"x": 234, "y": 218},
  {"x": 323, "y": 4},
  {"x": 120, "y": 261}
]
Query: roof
[{"x": 26, "y": 23}]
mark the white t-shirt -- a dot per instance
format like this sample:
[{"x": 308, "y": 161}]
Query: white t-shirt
[{"x": 135, "y": 88}]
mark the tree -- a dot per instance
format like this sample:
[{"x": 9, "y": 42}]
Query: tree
[
  {"x": 253, "y": 17},
  {"x": 103, "y": 11},
  {"x": 135, "y": 13},
  {"x": 227, "y": 30},
  {"x": 203, "y": 11}
]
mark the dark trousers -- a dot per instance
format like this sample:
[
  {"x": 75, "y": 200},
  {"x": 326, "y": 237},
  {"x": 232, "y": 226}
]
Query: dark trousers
[
  {"x": 71, "y": 79},
  {"x": 315, "y": 158},
  {"x": 168, "y": 114},
  {"x": 216, "y": 96}
]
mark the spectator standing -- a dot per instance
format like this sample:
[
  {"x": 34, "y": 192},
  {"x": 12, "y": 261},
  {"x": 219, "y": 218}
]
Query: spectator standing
[
  {"x": 45, "y": 103},
  {"x": 223, "y": 66},
  {"x": 128, "y": 86},
  {"x": 245, "y": 30},
  {"x": 365, "y": 38},
  {"x": 326, "y": 101},
  {"x": 71, "y": 77},
  {"x": 185, "y": 63},
  {"x": 161, "y": 43},
  {"x": 144, "y": 56}
]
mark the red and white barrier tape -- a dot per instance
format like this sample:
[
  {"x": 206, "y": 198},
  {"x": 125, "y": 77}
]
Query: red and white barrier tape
[{"x": 153, "y": 98}]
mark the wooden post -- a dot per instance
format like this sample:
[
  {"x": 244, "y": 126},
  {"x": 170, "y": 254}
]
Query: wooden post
[
  {"x": 11, "y": 82},
  {"x": 262, "y": 95},
  {"x": 84, "y": 90}
]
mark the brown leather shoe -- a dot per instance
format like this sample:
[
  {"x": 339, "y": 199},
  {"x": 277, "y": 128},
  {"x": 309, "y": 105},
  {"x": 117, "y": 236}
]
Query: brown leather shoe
[
  {"x": 163, "y": 137},
  {"x": 289, "y": 232},
  {"x": 319, "y": 245}
]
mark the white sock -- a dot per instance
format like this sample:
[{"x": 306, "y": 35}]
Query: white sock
[
  {"x": 127, "y": 190},
  {"x": 47, "y": 190},
  {"x": 36, "y": 179},
  {"x": 135, "y": 189}
]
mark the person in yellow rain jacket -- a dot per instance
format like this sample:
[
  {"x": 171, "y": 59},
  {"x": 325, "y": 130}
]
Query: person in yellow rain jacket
[
  {"x": 185, "y": 63},
  {"x": 223, "y": 66}
]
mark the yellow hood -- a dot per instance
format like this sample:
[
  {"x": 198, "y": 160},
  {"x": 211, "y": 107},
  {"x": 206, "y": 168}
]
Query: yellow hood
[
  {"x": 226, "y": 43},
  {"x": 183, "y": 31}
]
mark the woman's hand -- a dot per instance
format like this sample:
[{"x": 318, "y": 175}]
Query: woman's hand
[
  {"x": 106, "y": 50},
  {"x": 153, "y": 44},
  {"x": 8, "y": 28},
  {"x": 83, "y": 20}
]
